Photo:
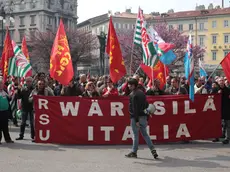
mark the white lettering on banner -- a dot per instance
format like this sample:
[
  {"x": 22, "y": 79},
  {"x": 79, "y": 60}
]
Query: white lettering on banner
[
  {"x": 175, "y": 107},
  {"x": 69, "y": 108},
  {"x": 128, "y": 134},
  {"x": 166, "y": 131},
  {"x": 160, "y": 110},
  {"x": 44, "y": 119},
  {"x": 116, "y": 108},
  {"x": 153, "y": 137},
  {"x": 47, "y": 136},
  {"x": 107, "y": 131},
  {"x": 187, "y": 109},
  {"x": 42, "y": 102},
  {"x": 209, "y": 104},
  {"x": 95, "y": 109},
  {"x": 183, "y": 131},
  {"x": 90, "y": 133}
]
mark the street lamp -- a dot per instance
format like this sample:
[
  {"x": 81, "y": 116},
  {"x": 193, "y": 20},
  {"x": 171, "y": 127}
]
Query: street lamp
[
  {"x": 2, "y": 18},
  {"x": 102, "y": 40}
]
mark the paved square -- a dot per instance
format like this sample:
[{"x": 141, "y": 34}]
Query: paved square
[{"x": 25, "y": 156}]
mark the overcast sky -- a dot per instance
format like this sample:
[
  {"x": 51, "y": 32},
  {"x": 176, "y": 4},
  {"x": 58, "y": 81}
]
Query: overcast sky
[{"x": 92, "y": 8}]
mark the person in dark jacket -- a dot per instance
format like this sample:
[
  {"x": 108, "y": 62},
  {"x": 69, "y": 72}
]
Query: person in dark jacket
[
  {"x": 155, "y": 90},
  {"x": 137, "y": 104},
  {"x": 27, "y": 108},
  {"x": 225, "y": 110},
  {"x": 71, "y": 90}
]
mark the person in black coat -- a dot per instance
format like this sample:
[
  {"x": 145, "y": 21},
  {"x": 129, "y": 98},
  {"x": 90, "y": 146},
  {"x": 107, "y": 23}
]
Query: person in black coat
[
  {"x": 73, "y": 89},
  {"x": 225, "y": 110},
  {"x": 139, "y": 120}
]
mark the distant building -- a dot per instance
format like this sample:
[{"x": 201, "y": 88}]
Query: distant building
[
  {"x": 43, "y": 15},
  {"x": 209, "y": 28}
]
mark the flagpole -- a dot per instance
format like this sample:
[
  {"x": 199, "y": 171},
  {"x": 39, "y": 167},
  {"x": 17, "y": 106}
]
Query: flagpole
[
  {"x": 131, "y": 60},
  {"x": 212, "y": 73},
  {"x": 137, "y": 69}
]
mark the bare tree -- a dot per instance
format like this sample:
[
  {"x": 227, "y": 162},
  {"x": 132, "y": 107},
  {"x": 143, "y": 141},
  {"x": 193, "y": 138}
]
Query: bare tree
[{"x": 81, "y": 44}]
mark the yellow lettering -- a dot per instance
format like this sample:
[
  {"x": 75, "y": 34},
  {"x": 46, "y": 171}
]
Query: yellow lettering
[
  {"x": 59, "y": 72},
  {"x": 64, "y": 61},
  {"x": 60, "y": 48},
  {"x": 62, "y": 68},
  {"x": 113, "y": 46},
  {"x": 117, "y": 71},
  {"x": 110, "y": 59}
]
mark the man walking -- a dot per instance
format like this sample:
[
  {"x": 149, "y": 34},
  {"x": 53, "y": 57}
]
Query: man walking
[{"x": 139, "y": 120}]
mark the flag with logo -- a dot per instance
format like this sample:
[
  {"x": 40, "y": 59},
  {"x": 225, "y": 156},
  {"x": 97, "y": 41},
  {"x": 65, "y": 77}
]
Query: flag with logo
[
  {"x": 189, "y": 68},
  {"x": 61, "y": 67},
  {"x": 23, "y": 66},
  {"x": 116, "y": 61},
  {"x": 159, "y": 71},
  {"x": 7, "y": 54},
  {"x": 164, "y": 49}
]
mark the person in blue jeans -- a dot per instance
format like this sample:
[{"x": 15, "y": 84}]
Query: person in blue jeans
[{"x": 139, "y": 119}]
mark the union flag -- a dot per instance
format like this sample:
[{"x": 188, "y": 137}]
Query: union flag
[
  {"x": 8, "y": 52},
  {"x": 61, "y": 68},
  {"x": 117, "y": 66},
  {"x": 159, "y": 71}
]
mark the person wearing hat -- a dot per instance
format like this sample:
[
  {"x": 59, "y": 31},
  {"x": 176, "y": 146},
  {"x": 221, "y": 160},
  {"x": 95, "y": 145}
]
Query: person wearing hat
[{"x": 139, "y": 119}]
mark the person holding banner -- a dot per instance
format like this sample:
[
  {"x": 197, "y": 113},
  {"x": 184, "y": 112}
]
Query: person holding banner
[{"x": 139, "y": 119}]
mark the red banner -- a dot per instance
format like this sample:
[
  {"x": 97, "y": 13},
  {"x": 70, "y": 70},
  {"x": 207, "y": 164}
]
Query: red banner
[{"x": 75, "y": 120}]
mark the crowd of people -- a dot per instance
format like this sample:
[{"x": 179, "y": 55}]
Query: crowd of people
[{"x": 86, "y": 86}]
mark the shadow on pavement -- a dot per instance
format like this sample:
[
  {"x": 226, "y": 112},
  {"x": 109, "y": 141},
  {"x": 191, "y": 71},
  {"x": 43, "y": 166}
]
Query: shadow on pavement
[
  {"x": 174, "y": 163},
  {"x": 32, "y": 146},
  {"x": 216, "y": 158}
]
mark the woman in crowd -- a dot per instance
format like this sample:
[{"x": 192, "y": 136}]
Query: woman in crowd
[
  {"x": 110, "y": 90},
  {"x": 4, "y": 114},
  {"x": 90, "y": 90}
]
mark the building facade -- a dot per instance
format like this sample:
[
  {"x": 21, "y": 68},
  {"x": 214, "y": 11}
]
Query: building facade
[
  {"x": 26, "y": 16},
  {"x": 209, "y": 28}
]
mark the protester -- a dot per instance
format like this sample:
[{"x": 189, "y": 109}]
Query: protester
[
  {"x": 110, "y": 90},
  {"x": 90, "y": 90},
  {"x": 139, "y": 120},
  {"x": 4, "y": 114},
  {"x": 71, "y": 90},
  {"x": 27, "y": 108}
]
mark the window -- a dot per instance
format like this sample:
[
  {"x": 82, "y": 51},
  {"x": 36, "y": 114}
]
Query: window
[
  {"x": 213, "y": 39},
  {"x": 32, "y": 33},
  {"x": 11, "y": 24},
  {"x": 226, "y": 39},
  {"x": 225, "y": 23},
  {"x": 190, "y": 26},
  {"x": 213, "y": 55},
  {"x": 115, "y": 25},
  {"x": 201, "y": 41},
  {"x": 21, "y": 34},
  {"x": 128, "y": 26},
  {"x": 50, "y": 20},
  {"x": 213, "y": 24},
  {"x": 32, "y": 20},
  {"x": 201, "y": 26},
  {"x": 170, "y": 27},
  {"x": 125, "y": 26},
  {"x": 180, "y": 27},
  {"x": 22, "y": 22},
  {"x": 226, "y": 53},
  {"x": 49, "y": 4},
  {"x": 119, "y": 25}
]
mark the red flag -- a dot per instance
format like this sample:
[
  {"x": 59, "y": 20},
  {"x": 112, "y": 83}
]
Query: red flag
[
  {"x": 8, "y": 52},
  {"x": 159, "y": 71},
  {"x": 117, "y": 66},
  {"x": 61, "y": 68},
  {"x": 225, "y": 63},
  {"x": 25, "y": 48}
]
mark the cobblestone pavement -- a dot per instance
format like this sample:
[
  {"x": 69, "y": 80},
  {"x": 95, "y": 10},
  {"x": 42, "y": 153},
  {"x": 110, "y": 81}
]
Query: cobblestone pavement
[{"x": 198, "y": 156}]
